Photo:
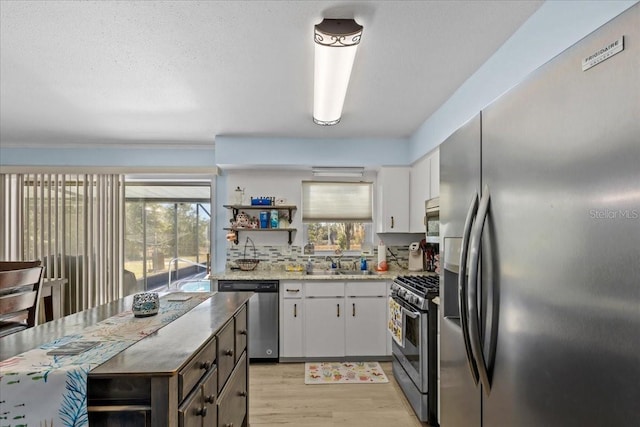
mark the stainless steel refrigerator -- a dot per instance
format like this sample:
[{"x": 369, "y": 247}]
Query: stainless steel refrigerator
[{"x": 540, "y": 234}]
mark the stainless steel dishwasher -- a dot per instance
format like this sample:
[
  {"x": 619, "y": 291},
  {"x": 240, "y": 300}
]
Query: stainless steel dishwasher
[{"x": 263, "y": 316}]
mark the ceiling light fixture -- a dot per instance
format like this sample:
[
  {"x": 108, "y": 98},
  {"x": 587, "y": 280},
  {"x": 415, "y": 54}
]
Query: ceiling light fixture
[
  {"x": 336, "y": 43},
  {"x": 338, "y": 171}
]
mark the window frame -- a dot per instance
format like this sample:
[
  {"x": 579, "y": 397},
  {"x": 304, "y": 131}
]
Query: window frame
[{"x": 368, "y": 223}]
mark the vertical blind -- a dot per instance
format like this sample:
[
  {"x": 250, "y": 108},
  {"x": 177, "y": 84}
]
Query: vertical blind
[
  {"x": 324, "y": 201},
  {"x": 74, "y": 224}
]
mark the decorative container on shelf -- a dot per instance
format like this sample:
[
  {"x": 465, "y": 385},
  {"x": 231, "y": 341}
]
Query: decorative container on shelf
[{"x": 261, "y": 201}]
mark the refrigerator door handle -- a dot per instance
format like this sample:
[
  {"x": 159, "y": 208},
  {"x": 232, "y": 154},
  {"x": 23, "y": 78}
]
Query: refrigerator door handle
[
  {"x": 462, "y": 287},
  {"x": 472, "y": 296}
]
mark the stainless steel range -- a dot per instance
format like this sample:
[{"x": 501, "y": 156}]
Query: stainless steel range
[{"x": 415, "y": 355}]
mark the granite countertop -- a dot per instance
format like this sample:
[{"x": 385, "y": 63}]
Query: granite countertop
[{"x": 291, "y": 275}]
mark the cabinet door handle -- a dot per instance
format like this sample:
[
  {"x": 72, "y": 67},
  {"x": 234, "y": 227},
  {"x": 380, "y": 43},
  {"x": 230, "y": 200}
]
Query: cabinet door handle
[
  {"x": 392, "y": 222},
  {"x": 210, "y": 399},
  {"x": 293, "y": 290},
  {"x": 338, "y": 307},
  {"x": 228, "y": 352},
  {"x": 202, "y": 412},
  {"x": 205, "y": 365},
  {"x": 295, "y": 310},
  {"x": 243, "y": 393},
  {"x": 243, "y": 332},
  {"x": 354, "y": 310},
  {"x": 228, "y": 425}
]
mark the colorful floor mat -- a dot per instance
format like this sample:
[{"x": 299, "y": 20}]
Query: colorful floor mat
[{"x": 344, "y": 373}]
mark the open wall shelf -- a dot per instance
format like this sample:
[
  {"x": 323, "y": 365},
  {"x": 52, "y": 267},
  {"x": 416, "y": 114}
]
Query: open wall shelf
[{"x": 236, "y": 209}]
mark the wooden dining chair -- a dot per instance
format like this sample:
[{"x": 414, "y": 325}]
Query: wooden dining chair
[{"x": 19, "y": 299}]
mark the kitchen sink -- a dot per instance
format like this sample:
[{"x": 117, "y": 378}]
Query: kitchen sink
[
  {"x": 338, "y": 272},
  {"x": 325, "y": 272}
]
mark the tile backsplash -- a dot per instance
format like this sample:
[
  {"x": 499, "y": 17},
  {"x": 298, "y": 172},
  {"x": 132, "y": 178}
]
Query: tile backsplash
[{"x": 278, "y": 257}]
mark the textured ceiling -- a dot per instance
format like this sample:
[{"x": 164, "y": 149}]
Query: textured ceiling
[{"x": 177, "y": 71}]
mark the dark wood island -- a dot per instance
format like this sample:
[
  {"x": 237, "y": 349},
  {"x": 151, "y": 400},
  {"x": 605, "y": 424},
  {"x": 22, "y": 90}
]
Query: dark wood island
[{"x": 192, "y": 372}]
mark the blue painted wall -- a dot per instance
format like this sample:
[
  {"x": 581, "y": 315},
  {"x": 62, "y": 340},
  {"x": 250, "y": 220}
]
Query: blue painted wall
[{"x": 556, "y": 25}]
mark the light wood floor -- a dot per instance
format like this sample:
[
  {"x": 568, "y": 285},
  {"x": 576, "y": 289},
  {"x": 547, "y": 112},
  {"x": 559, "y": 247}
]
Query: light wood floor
[{"x": 279, "y": 397}]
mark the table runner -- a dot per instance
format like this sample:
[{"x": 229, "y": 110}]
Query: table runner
[{"x": 44, "y": 390}]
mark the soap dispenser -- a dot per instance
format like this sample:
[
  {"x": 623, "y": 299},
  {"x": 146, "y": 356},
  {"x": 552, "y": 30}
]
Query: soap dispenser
[{"x": 363, "y": 263}]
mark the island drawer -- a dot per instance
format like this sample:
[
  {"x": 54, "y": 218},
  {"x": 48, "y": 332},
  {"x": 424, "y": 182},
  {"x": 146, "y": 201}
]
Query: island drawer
[
  {"x": 196, "y": 368},
  {"x": 226, "y": 351},
  {"x": 200, "y": 407},
  {"x": 232, "y": 404},
  {"x": 241, "y": 332}
]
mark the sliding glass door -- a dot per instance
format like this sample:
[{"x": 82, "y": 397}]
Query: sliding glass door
[{"x": 167, "y": 231}]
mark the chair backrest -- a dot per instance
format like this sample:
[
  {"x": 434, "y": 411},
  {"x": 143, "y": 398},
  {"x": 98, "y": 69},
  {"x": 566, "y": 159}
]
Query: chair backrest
[
  {"x": 18, "y": 265},
  {"x": 20, "y": 295}
]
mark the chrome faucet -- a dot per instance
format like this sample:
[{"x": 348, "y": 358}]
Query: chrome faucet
[{"x": 331, "y": 261}]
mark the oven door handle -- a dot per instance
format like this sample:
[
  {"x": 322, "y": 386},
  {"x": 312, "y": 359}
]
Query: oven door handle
[
  {"x": 462, "y": 287},
  {"x": 472, "y": 297},
  {"x": 412, "y": 314},
  {"x": 407, "y": 313}
]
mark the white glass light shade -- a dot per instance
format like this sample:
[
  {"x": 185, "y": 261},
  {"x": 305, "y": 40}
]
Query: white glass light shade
[{"x": 335, "y": 50}]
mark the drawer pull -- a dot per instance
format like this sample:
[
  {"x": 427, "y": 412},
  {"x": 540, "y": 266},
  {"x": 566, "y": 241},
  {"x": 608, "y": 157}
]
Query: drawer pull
[
  {"x": 228, "y": 425},
  {"x": 228, "y": 352},
  {"x": 205, "y": 365},
  {"x": 210, "y": 399},
  {"x": 243, "y": 393},
  {"x": 243, "y": 332},
  {"x": 295, "y": 310},
  {"x": 202, "y": 412},
  {"x": 293, "y": 290}
]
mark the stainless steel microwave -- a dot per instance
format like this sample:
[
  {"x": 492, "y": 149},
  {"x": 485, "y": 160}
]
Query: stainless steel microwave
[{"x": 432, "y": 220}]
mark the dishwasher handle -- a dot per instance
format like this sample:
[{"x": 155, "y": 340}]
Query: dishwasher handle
[{"x": 259, "y": 286}]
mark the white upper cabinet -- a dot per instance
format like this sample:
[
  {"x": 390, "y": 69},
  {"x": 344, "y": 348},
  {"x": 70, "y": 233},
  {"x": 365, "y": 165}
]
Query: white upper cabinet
[
  {"x": 424, "y": 185},
  {"x": 393, "y": 200},
  {"x": 434, "y": 161},
  {"x": 420, "y": 191}
]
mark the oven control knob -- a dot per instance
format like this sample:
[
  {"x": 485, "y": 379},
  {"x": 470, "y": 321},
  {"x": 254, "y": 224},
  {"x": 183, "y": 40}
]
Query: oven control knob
[
  {"x": 401, "y": 292},
  {"x": 411, "y": 298}
]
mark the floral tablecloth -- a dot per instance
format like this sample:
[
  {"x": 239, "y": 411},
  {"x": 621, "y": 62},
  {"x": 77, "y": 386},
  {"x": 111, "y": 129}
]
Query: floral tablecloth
[{"x": 43, "y": 390}]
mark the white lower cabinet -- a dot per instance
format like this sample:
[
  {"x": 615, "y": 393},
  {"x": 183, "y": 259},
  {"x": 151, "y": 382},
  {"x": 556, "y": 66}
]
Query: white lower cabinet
[
  {"x": 291, "y": 319},
  {"x": 324, "y": 327},
  {"x": 293, "y": 326},
  {"x": 324, "y": 319},
  {"x": 333, "y": 319},
  {"x": 366, "y": 327},
  {"x": 366, "y": 321}
]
